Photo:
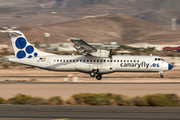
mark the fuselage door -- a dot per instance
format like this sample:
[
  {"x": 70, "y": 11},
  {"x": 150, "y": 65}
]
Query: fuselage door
[{"x": 48, "y": 63}]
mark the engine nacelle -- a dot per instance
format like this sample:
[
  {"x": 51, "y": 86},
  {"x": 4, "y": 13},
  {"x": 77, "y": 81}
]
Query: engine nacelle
[
  {"x": 101, "y": 70},
  {"x": 100, "y": 53},
  {"x": 105, "y": 70}
]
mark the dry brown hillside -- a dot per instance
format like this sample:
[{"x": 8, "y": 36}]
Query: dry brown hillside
[{"x": 118, "y": 27}]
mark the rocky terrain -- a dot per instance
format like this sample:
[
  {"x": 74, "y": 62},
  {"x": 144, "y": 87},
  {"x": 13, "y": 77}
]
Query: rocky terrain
[{"x": 32, "y": 12}]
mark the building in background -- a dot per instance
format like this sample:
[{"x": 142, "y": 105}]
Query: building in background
[{"x": 147, "y": 45}]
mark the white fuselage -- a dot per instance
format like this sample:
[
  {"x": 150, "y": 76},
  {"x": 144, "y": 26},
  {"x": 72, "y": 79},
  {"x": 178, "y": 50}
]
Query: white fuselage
[{"x": 104, "y": 65}]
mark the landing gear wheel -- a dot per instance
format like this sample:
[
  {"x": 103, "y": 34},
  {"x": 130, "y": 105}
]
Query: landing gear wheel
[
  {"x": 161, "y": 75},
  {"x": 99, "y": 77},
  {"x": 93, "y": 74}
]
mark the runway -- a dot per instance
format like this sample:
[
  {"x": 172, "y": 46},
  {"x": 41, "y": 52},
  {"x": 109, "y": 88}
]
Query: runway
[
  {"x": 8, "y": 90},
  {"x": 24, "y": 82},
  {"x": 17, "y": 112}
]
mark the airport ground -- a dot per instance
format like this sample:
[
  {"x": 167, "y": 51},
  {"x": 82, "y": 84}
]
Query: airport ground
[
  {"x": 18, "y": 112},
  {"x": 42, "y": 83}
]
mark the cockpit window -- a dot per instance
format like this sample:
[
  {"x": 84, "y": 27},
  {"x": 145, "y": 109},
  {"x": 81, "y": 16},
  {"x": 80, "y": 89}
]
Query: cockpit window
[
  {"x": 162, "y": 59},
  {"x": 159, "y": 59}
]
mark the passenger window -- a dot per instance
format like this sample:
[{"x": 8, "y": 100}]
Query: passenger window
[
  {"x": 111, "y": 60},
  {"x": 117, "y": 60},
  {"x": 87, "y": 60},
  {"x": 54, "y": 60},
  {"x": 155, "y": 59},
  {"x": 124, "y": 60},
  {"x": 90, "y": 60},
  {"x": 70, "y": 60},
  {"x": 64, "y": 60},
  {"x": 101, "y": 60},
  {"x": 67, "y": 60},
  {"x": 73, "y": 60},
  {"x": 104, "y": 60},
  {"x": 127, "y": 60},
  {"x": 107, "y": 60},
  {"x": 159, "y": 59},
  {"x": 114, "y": 60},
  {"x": 131, "y": 61},
  {"x": 94, "y": 60},
  {"x": 121, "y": 60},
  {"x": 134, "y": 60},
  {"x": 76, "y": 60},
  {"x": 97, "y": 60},
  {"x": 137, "y": 60}
]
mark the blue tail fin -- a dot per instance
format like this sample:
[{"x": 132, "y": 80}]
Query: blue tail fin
[{"x": 22, "y": 48}]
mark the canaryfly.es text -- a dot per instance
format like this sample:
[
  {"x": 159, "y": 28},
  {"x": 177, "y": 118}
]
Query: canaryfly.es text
[{"x": 138, "y": 65}]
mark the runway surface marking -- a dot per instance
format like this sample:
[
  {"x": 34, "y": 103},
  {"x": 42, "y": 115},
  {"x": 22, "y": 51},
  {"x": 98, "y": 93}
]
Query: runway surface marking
[{"x": 62, "y": 119}]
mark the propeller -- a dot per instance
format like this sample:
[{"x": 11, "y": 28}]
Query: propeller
[{"x": 111, "y": 53}]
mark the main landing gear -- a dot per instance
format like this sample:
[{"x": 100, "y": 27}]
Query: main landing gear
[
  {"x": 94, "y": 73},
  {"x": 99, "y": 77}
]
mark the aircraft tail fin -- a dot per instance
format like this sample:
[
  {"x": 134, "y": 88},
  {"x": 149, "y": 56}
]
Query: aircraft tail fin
[{"x": 22, "y": 48}]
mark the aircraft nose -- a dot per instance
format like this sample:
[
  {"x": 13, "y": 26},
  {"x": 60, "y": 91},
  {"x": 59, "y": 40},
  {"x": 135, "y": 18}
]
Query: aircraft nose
[{"x": 170, "y": 66}]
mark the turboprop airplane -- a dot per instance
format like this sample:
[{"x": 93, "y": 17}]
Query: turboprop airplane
[{"x": 92, "y": 61}]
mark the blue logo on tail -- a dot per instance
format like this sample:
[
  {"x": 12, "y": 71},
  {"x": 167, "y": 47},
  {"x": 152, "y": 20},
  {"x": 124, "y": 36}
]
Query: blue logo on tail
[{"x": 29, "y": 50}]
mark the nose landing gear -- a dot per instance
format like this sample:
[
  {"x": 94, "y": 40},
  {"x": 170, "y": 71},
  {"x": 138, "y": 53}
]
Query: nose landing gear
[{"x": 161, "y": 74}]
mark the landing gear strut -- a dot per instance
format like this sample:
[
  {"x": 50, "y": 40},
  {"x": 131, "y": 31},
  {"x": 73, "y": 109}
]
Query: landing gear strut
[
  {"x": 99, "y": 77},
  {"x": 161, "y": 74}
]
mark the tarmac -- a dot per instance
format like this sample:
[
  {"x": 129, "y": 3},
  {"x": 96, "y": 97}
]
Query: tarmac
[{"x": 19, "y": 112}]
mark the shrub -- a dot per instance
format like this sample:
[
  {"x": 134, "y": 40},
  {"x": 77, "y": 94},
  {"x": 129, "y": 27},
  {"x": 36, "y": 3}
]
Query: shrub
[
  {"x": 101, "y": 99},
  {"x": 6, "y": 65},
  {"x": 164, "y": 100},
  {"x": 140, "y": 101},
  {"x": 122, "y": 100},
  {"x": 20, "y": 99},
  {"x": 2, "y": 100},
  {"x": 170, "y": 55},
  {"x": 36, "y": 101},
  {"x": 27, "y": 100},
  {"x": 56, "y": 100},
  {"x": 161, "y": 100}
]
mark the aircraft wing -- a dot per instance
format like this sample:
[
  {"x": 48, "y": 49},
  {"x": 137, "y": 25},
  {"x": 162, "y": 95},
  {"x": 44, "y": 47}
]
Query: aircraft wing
[
  {"x": 82, "y": 47},
  {"x": 86, "y": 49}
]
